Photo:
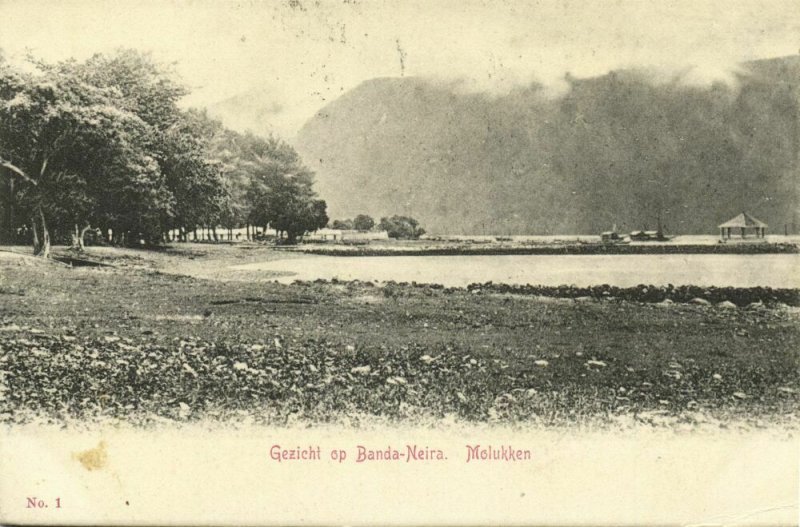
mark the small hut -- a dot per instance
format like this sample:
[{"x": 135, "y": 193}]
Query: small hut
[{"x": 744, "y": 223}]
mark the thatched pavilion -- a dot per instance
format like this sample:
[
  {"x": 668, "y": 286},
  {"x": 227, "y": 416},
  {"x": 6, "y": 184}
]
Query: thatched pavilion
[{"x": 743, "y": 222}]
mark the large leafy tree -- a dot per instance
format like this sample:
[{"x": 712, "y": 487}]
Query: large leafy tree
[
  {"x": 281, "y": 192},
  {"x": 103, "y": 143},
  {"x": 176, "y": 140},
  {"x": 363, "y": 222},
  {"x": 237, "y": 157},
  {"x": 401, "y": 227},
  {"x": 60, "y": 134},
  {"x": 202, "y": 197}
]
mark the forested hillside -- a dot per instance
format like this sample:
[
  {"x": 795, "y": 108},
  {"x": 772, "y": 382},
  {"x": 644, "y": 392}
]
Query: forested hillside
[{"x": 620, "y": 149}]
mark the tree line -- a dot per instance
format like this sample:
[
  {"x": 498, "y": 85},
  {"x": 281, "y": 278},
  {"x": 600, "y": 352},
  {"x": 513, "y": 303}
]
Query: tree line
[
  {"x": 402, "y": 227},
  {"x": 103, "y": 146}
]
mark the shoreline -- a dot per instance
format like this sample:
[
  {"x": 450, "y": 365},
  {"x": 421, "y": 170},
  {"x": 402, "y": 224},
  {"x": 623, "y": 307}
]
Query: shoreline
[{"x": 570, "y": 249}]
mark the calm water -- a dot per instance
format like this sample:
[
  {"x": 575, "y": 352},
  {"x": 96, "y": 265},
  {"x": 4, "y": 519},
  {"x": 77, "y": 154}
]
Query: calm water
[{"x": 775, "y": 270}]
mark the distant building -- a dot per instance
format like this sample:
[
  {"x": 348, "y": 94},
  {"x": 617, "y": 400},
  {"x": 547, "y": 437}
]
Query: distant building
[
  {"x": 743, "y": 223},
  {"x": 337, "y": 235},
  {"x": 611, "y": 237},
  {"x": 648, "y": 236}
]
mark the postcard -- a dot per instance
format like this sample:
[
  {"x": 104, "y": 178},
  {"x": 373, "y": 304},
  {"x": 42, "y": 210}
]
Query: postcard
[{"x": 349, "y": 262}]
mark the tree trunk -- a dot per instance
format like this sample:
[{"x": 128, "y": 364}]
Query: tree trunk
[
  {"x": 34, "y": 234},
  {"x": 41, "y": 245},
  {"x": 11, "y": 223},
  {"x": 75, "y": 245},
  {"x": 82, "y": 237}
]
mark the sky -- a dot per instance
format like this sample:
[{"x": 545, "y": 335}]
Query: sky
[{"x": 301, "y": 54}]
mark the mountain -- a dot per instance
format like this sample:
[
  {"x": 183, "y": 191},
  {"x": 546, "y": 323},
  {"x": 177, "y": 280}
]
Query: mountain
[{"x": 618, "y": 149}]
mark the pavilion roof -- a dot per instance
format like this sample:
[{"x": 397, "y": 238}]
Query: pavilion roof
[{"x": 743, "y": 220}]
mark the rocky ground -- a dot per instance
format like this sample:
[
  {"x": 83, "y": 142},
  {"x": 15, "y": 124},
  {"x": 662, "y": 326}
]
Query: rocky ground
[{"x": 139, "y": 342}]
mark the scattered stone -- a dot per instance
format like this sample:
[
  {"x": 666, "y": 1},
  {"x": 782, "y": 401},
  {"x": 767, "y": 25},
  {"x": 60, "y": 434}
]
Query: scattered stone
[
  {"x": 727, "y": 304},
  {"x": 542, "y": 363},
  {"x": 361, "y": 370},
  {"x": 185, "y": 410},
  {"x": 699, "y": 301}
]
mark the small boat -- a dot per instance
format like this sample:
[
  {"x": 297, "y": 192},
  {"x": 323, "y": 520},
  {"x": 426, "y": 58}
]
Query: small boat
[{"x": 613, "y": 238}]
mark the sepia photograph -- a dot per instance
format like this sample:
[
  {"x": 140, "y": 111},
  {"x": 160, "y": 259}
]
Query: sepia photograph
[{"x": 399, "y": 262}]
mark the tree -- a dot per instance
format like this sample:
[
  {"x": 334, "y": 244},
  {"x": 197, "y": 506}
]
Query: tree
[
  {"x": 201, "y": 195},
  {"x": 342, "y": 225},
  {"x": 104, "y": 144},
  {"x": 401, "y": 227},
  {"x": 187, "y": 187},
  {"x": 230, "y": 153},
  {"x": 58, "y": 136},
  {"x": 281, "y": 194},
  {"x": 362, "y": 222}
]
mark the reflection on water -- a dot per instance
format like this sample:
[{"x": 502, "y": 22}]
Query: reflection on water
[{"x": 774, "y": 270}]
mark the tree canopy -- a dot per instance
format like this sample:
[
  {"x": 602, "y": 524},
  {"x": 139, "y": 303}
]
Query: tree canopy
[
  {"x": 104, "y": 143},
  {"x": 363, "y": 222},
  {"x": 401, "y": 227}
]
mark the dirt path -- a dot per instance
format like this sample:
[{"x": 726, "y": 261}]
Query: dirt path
[{"x": 198, "y": 260}]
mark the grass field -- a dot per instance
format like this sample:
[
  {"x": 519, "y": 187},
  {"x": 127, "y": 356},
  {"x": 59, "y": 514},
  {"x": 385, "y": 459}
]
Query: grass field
[{"x": 140, "y": 342}]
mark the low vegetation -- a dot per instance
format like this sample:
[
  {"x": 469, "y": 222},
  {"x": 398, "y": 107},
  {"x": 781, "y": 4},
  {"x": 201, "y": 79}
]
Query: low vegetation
[{"x": 130, "y": 343}]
